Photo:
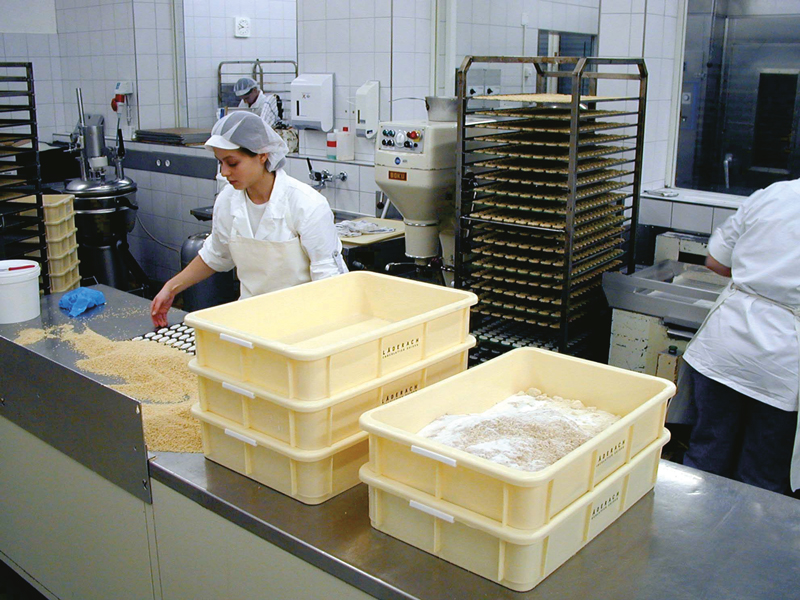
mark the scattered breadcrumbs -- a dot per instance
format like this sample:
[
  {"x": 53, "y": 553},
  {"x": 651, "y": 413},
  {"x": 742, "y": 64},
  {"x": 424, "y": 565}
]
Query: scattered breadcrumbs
[
  {"x": 30, "y": 336},
  {"x": 154, "y": 374}
]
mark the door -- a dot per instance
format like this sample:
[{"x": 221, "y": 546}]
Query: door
[{"x": 760, "y": 103}]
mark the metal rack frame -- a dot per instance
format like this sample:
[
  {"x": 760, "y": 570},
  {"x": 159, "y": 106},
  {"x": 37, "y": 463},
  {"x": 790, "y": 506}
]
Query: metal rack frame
[
  {"x": 586, "y": 72},
  {"x": 21, "y": 235}
]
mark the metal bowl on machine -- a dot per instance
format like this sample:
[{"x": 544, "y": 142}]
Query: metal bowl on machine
[
  {"x": 103, "y": 210},
  {"x": 441, "y": 108}
]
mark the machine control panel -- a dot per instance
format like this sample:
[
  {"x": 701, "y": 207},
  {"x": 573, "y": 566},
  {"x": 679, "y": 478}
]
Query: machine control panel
[{"x": 401, "y": 139}]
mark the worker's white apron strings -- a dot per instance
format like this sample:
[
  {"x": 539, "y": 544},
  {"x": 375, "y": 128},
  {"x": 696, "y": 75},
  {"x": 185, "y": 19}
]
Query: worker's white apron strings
[{"x": 794, "y": 475}]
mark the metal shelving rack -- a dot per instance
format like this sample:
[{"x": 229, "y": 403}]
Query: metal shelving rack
[
  {"x": 547, "y": 201},
  {"x": 22, "y": 234}
]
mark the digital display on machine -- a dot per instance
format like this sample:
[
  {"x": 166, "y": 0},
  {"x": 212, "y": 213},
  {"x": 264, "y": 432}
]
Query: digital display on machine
[{"x": 398, "y": 175}]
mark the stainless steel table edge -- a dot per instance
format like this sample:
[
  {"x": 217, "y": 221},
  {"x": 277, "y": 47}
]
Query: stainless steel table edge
[
  {"x": 245, "y": 498},
  {"x": 690, "y": 538},
  {"x": 42, "y": 391}
]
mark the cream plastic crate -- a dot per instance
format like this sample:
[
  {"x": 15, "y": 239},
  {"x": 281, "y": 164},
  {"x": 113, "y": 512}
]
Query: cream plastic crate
[
  {"x": 66, "y": 281},
  {"x": 513, "y": 558},
  {"x": 319, "y": 339},
  {"x": 56, "y": 206},
  {"x": 63, "y": 262},
  {"x": 310, "y": 476},
  {"x": 58, "y": 229},
  {"x": 63, "y": 244},
  {"x": 520, "y": 499},
  {"x": 316, "y": 424}
]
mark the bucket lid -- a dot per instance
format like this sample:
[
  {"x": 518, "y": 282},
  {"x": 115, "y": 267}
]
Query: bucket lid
[{"x": 15, "y": 271}]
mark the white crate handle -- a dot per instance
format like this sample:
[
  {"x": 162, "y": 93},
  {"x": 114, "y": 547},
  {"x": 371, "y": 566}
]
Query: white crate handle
[
  {"x": 435, "y": 456},
  {"x": 234, "y": 340},
  {"x": 432, "y": 511},
  {"x": 240, "y": 437},
  {"x": 238, "y": 390}
]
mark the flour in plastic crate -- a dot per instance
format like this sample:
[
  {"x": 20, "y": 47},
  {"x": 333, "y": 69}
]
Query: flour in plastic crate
[{"x": 527, "y": 431}]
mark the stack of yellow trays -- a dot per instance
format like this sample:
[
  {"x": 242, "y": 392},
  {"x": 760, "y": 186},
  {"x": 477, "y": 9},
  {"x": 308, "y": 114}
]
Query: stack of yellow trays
[
  {"x": 62, "y": 246},
  {"x": 284, "y": 377},
  {"x": 512, "y": 526}
]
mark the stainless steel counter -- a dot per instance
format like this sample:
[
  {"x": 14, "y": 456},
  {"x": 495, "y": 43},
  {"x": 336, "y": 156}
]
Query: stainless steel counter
[{"x": 696, "y": 536}]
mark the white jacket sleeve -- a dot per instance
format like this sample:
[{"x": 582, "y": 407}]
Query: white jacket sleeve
[
  {"x": 321, "y": 243},
  {"x": 724, "y": 238},
  {"x": 215, "y": 251}
]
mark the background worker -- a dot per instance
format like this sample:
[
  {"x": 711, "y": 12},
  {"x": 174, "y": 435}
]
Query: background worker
[
  {"x": 277, "y": 231},
  {"x": 744, "y": 362},
  {"x": 264, "y": 105}
]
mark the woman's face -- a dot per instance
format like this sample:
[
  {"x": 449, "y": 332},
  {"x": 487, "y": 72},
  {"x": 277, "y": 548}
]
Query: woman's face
[{"x": 241, "y": 170}]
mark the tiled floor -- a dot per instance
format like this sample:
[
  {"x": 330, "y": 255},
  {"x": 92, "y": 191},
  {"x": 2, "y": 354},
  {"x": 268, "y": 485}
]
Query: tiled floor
[{"x": 14, "y": 587}]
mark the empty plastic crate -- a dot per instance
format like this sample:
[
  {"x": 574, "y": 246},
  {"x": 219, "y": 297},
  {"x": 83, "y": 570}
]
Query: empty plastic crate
[
  {"x": 512, "y": 497},
  {"x": 65, "y": 282},
  {"x": 323, "y": 338},
  {"x": 513, "y": 558},
  {"x": 310, "y": 476},
  {"x": 58, "y": 229},
  {"x": 316, "y": 424},
  {"x": 63, "y": 244},
  {"x": 56, "y": 206},
  {"x": 63, "y": 262}
]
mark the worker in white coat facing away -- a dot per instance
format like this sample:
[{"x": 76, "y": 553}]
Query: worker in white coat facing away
[
  {"x": 277, "y": 231},
  {"x": 264, "y": 105},
  {"x": 744, "y": 362}
]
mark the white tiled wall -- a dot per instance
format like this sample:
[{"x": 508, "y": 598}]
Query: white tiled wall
[
  {"x": 96, "y": 49},
  {"x": 155, "y": 63},
  {"x": 209, "y": 33},
  {"x": 496, "y": 29},
  {"x": 682, "y": 216},
  {"x": 43, "y": 51},
  {"x": 647, "y": 28},
  {"x": 354, "y": 195},
  {"x": 353, "y": 40},
  {"x": 164, "y": 204}
]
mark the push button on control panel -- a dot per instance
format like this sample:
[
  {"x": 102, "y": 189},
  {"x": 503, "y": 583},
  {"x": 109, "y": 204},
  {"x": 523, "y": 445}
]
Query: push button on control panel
[{"x": 409, "y": 140}]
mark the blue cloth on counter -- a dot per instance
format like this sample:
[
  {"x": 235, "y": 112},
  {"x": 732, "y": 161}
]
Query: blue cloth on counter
[{"x": 79, "y": 301}]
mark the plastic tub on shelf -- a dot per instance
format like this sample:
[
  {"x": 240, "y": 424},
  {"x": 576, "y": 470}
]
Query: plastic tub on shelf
[
  {"x": 316, "y": 424},
  {"x": 64, "y": 244},
  {"x": 319, "y": 339},
  {"x": 520, "y": 499},
  {"x": 514, "y": 558},
  {"x": 310, "y": 476}
]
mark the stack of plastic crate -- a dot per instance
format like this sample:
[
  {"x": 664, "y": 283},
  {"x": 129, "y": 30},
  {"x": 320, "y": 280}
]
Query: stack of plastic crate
[
  {"x": 62, "y": 245},
  {"x": 284, "y": 377},
  {"x": 512, "y": 526}
]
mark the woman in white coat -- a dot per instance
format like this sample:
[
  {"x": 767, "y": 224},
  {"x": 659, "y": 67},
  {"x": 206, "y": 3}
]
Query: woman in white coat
[
  {"x": 276, "y": 231},
  {"x": 743, "y": 369}
]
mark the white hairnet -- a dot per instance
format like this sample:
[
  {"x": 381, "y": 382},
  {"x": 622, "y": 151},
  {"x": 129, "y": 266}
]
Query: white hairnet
[
  {"x": 244, "y": 85},
  {"x": 242, "y": 129}
]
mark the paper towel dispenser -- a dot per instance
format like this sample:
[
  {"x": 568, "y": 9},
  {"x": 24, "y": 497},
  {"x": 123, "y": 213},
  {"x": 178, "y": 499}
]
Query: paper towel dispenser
[
  {"x": 368, "y": 109},
  {"x": 312, "y": 101}
]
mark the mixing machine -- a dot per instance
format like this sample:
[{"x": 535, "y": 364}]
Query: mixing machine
[
  {"x": 415, "y": 166},
  {"x": 105, "y": 206}
]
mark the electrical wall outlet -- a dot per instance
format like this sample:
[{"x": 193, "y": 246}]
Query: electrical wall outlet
[{"x": 241, "y": 27}]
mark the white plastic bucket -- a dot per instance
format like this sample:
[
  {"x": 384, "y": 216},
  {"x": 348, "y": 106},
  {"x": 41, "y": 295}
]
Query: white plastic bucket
[{"x": 19, "y": 291}]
